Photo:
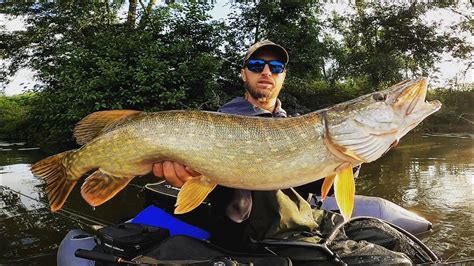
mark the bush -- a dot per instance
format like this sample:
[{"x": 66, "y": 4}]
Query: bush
[
  {"x": 456, "y": 114},
  {"x": 14, "y": 116}
]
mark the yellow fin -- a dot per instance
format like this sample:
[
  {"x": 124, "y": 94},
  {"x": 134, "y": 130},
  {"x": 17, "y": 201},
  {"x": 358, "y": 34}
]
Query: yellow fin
[
  {"x": 193, "y": 193},
  {"x": 59, "y": 184},
  {"x": 344, "y": 189},
  {"x": 327, "y": 184},
  {"x": 96, "y": 123},
  {"x": 99, "y": 187}
]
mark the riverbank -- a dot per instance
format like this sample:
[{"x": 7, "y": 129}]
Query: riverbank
[{"x": 20, "y": 123}]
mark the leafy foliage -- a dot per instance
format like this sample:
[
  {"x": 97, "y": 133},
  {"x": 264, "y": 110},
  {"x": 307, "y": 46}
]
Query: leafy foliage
[
  {"x": 97, "y": 63},
  {"x": 174, "y": 56},
  {"x": 456, "y": 114},
  {"x": 387, "y": 43},
  {"x": 14, "y": 115}
]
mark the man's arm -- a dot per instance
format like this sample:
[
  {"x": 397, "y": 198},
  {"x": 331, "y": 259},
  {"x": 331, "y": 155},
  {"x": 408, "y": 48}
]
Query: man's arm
[{"x": 237, "y": 202}]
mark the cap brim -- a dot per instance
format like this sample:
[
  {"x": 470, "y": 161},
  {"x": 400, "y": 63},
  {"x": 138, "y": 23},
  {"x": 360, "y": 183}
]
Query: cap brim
[{"x": 275, "y": 47}]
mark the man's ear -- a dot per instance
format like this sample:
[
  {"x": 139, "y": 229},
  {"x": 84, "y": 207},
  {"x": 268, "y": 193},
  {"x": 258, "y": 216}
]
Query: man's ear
[{"x": 243, "y": 75}]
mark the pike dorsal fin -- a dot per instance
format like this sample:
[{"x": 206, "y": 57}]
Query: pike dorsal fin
[
  {"x": 193, "y": 193},
  {"x": 97, "y": 123}
]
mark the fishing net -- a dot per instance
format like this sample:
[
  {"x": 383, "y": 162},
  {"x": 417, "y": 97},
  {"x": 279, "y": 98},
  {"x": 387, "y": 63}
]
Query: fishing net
[{"x": 370, "y": 240}]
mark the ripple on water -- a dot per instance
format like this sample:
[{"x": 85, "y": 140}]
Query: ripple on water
[
  {"x": 29, "y": 149},
  {"x": 31, "y": 232},
  {"x": 8, "y": 144},
  {"x": 410, "y": 197},
  {"x": 432, "y": 176}
]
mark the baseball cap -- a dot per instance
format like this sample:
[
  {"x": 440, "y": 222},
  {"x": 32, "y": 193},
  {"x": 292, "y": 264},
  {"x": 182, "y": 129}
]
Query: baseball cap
[{"x": 267, "y": 43}]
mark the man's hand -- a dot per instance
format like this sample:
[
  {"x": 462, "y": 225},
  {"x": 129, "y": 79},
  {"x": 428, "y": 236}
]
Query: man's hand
[{"x": 175, "y": 173}]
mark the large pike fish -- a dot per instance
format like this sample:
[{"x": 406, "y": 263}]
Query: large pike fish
[{"x": 251, "y": 153}]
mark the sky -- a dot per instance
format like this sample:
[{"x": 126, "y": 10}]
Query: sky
[{"x": 449, "y": 67}]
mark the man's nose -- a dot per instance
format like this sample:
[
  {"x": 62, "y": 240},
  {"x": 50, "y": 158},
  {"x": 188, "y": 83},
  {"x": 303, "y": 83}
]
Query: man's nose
[{"x": 266, "y": 70}]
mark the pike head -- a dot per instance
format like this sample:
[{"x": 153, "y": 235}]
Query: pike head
[{"x": 363, "y": 129}]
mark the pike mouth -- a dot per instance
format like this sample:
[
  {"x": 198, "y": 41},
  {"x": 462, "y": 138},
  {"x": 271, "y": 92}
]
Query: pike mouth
[{"x": 412, "y": 96}]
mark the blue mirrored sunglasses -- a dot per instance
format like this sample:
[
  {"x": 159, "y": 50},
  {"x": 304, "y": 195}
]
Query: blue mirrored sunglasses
[{"x": 257, "y": 65}]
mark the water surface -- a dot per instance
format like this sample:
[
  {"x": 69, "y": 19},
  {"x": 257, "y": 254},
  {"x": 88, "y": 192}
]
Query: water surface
[{"x": 430, "y": 175}]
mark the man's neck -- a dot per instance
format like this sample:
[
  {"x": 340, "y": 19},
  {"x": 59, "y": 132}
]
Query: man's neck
[{"x": 268, "y": 105}]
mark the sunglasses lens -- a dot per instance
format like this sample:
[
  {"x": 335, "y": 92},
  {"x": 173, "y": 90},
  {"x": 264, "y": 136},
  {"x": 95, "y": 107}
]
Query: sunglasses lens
[
  {"x": 276, "y": 67},
  {"x": 256, "y": 65}
]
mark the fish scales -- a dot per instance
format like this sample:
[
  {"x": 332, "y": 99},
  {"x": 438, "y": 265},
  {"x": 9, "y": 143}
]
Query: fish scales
[{"x": 227, "y": 149}]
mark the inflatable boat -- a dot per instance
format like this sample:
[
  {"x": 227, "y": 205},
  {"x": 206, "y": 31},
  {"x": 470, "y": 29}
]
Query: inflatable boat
[
  {"x": 84, "y": 248},
  {"x": 164, "y": 196}
]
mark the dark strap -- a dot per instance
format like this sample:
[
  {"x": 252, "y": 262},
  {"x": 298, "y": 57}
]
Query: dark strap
[
  {"x": 280, "y": 246},
  {"x": 221, "y": 261}
]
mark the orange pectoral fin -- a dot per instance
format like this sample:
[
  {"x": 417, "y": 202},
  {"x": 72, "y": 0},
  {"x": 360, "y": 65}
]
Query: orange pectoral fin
[
  {"x": 193, "y": 193},
  {"x": 327, "y": 184},
  {"x": 344, "y": 189},
  {"x": 100, "y": 187}
]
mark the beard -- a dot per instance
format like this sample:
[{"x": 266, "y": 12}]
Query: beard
[{"x": 257, "y": 95}]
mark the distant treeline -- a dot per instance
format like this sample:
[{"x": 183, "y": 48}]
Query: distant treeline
[
  {"x": 15, "y": 116},
  {"x": 457, "y": 115},
  {"x": 175, "y": 56}
]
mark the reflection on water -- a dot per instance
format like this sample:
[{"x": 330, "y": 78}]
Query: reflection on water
[
  {"x": 30, "y": 233},
  {"x": 432, "y": 176}
]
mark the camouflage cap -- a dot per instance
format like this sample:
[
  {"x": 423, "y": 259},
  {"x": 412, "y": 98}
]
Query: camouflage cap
[{"x": 267, "y": 43}]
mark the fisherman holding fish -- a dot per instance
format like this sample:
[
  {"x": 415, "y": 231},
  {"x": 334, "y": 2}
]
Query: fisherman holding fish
[
  {"x": 239, "y": 149},
  {"x": 258, "y": 214}
]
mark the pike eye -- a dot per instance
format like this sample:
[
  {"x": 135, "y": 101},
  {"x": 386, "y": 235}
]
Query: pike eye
[{"x": 379, "y": 97}]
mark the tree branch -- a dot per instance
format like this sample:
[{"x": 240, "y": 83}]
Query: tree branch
[{"x": 132, "y": 12}]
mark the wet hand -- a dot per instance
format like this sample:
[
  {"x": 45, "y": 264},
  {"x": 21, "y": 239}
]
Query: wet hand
[{"x": 174, "y": 173}]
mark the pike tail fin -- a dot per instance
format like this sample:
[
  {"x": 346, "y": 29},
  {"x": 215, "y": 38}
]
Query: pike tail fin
[{"x": 59, "y": 186}]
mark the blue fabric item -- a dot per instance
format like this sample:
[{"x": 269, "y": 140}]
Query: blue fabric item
[{"x": 155, "y": 216}]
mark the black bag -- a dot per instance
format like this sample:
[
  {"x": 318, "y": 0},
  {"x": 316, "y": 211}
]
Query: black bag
[
  {"x": 127, "y": 240},
  {"x": 184, "y": 250}
]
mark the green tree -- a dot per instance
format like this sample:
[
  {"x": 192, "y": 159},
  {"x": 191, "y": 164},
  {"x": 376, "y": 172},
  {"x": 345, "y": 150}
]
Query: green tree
[
  {"x": 386, "y": 43},
  {"x": 14, "y": 112},
  {"x": 87, "y": 60},
  {"x": 177, "y": 57},
  {"x": 293, "y": 24},
  {"x": 297, "y": 26}
]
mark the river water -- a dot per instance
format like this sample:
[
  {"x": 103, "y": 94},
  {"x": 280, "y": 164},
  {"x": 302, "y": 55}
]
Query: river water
[{"x": 430, "y": 175}]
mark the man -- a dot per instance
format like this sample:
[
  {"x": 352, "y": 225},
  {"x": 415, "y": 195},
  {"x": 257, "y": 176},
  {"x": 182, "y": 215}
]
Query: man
[
  {"x": 239, "y": 217},
  {"x": 258, "y": 214}
]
